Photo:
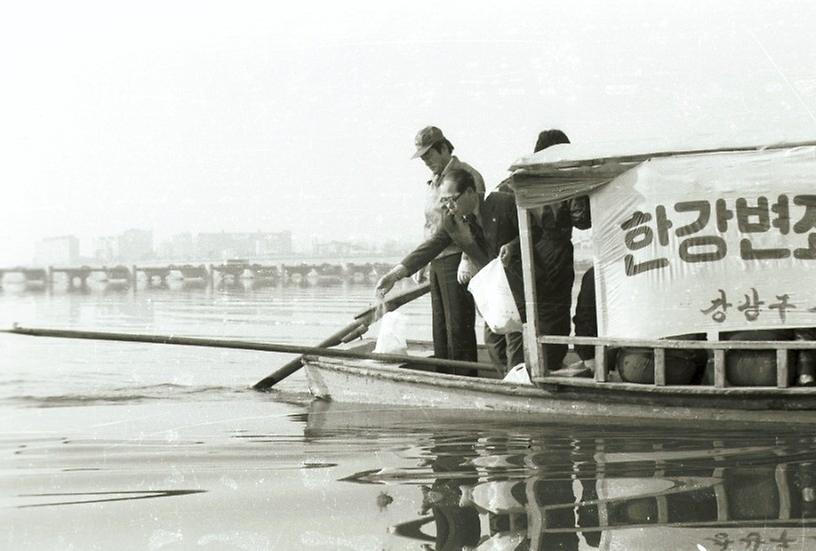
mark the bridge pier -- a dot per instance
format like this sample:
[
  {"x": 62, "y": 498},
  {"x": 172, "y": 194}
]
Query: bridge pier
[
  {"x": 229, "y": 272},
  {"x": 265, "y": 273},
  {"x": 118, "y": 274},
  {"x": 361, "y": 272},
  {"x": 83, "y": 281},
  {"x": 297, "y": 274}
]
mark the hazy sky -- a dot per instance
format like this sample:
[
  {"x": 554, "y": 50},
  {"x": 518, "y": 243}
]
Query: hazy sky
[{"x": 239, "y": 116}]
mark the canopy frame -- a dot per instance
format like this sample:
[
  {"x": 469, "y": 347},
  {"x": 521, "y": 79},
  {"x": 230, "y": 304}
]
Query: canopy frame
[
  {"x": 562, "y": 180},
  {"x": 536, "y": 183}
]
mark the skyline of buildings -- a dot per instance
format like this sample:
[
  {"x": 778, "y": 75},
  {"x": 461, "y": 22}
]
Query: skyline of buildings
[
  {"x": 138, "y": 245},
  {"x": 239, "y": 244},
  {"x": 130, "y": 245},
  {"x": 62, "y": 249}
]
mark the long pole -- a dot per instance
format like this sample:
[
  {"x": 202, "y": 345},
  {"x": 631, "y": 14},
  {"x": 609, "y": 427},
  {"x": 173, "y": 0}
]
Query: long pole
[
  {"x": 285, "y": 370},
  {"x": 355, "y": 329},
  {"x": 237, "y": 345}
]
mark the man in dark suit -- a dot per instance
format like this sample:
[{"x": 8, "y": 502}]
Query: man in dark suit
[
  {"x": 484, "y": 228},
  {"x": 553, "y": 256}
]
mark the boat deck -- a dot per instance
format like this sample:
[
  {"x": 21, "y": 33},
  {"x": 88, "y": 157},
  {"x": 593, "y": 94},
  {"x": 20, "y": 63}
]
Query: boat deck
[{"x": 415, "y": 384}]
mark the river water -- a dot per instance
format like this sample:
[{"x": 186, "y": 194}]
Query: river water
[{"x": 138, "y": 446}]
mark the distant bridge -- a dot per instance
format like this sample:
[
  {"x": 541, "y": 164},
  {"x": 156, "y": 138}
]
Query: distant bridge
[{"x": 301, "y": 273}]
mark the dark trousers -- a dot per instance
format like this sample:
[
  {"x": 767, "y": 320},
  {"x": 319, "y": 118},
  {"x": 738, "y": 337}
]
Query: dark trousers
[
  {"x": 554, "y": 278},
  {"x": 553, "y": 319},
  {"x": 505, "y": 350},
  {"x": 586, "y": 320},
  {"x": 454, "y": 315}
]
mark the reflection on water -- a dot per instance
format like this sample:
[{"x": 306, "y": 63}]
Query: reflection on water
[
  {"x": 328, "y": 476},
  {"x": 129, "y": 445},
  {"x": 573, "y": 487},
  {"x": 83, "y": 498}
]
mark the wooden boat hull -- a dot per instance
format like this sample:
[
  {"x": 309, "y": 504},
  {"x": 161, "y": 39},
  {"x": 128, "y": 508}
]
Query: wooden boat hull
[{"x": 366, "y": 381}]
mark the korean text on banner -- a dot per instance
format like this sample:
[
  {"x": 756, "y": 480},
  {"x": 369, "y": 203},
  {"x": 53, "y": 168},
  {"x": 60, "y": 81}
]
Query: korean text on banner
[{"x": 714, "y": 242}]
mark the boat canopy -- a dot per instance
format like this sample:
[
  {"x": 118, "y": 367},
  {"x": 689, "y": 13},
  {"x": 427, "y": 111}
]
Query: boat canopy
[{"x": 569, "y": 170}]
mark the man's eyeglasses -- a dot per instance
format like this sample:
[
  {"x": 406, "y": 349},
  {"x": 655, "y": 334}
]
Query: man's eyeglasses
[{"x": 450, "y": 200}]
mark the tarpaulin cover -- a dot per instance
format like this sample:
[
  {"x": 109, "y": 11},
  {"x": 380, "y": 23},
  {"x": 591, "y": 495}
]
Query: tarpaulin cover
[
  {"x": 567, "y": 170},
  {"x": 708, "y": 242}
]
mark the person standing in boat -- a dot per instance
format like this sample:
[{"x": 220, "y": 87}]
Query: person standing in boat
[
  {"x": 453, "y": 312},
  {"x": 553, "y": 256},
  {"x": 484, "y": 228}
]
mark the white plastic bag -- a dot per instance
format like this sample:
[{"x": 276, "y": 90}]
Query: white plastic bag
[
  {"x": 391, "y": 338},
  {"x": 494, "y": 299},
  {"x": 518, "y": 375}
]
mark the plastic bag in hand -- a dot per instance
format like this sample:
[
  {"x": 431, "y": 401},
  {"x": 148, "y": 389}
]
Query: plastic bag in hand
[
  {"x": 494, "y": 299},
  {"x": 391, "y": 338}
]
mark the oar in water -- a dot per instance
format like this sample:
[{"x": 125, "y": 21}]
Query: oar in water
[
  {"x": 355, "y": 329},
  {"x": 348, "y": 333},
  {"x": 238, "y": 345}
]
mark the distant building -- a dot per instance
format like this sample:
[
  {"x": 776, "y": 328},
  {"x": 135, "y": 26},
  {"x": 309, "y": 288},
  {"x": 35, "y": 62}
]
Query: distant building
[
  {"x": 395, "y": 247},
  {"x": 272, "y": 244},
  {"x": 342, "y": 248},
  {"x": 136, "y": 245},
  {"x": 62, "y": 250},
  {"x": 333, "y": 248},
  {"x": 223, "y": 245},
  {"x": 129, "y": 246},
  {"x": 179, "y": 247},
  {"x": 106, "y": 249},
  {"x": 219, "y": 246},
  {"x": 183, "y": 245}
]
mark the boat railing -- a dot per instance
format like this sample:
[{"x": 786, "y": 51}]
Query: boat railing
[{"x": 659, "y": 346}]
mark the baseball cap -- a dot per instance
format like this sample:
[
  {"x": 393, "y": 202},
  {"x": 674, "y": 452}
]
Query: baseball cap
[{"x": 425, "y": 138}]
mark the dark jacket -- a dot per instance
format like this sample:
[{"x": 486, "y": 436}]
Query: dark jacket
[
  {"x": 562, "y": 216},
  {"x": 499, "y": 225},
  {"x": 565, "y": 215}
]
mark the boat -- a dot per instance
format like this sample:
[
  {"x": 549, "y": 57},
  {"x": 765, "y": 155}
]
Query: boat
[
  {"x": 419, "y": 385},
  {"x": 627, "y": 322}
]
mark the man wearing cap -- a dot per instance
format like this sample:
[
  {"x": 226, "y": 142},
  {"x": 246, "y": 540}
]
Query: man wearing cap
[
  {"x": 483, "y": 227},
  {"x": 453, "y": 312}
]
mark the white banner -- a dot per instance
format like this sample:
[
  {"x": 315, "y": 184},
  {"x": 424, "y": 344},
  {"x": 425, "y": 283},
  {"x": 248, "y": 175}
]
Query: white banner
[{"x": 715, "y": 242}]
